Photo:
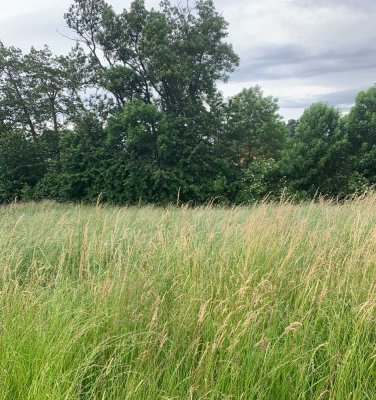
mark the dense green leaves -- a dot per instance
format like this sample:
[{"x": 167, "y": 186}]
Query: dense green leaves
[
  {"x": 39, "y": 91},
  {"x": 22, "y": 165},
  {"x": 255, "y": 125},
  {"x": 134, "y": 115},
  {"x": 361, "y": 130},
  {"x": 315, "y": 162}
]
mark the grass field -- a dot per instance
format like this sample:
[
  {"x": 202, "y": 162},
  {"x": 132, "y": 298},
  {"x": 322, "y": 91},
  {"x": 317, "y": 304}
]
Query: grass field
[{"x": 270, "y": 302}]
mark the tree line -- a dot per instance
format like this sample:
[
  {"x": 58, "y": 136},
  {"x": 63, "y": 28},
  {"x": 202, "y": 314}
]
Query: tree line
[{"x": 134, "y": 115}]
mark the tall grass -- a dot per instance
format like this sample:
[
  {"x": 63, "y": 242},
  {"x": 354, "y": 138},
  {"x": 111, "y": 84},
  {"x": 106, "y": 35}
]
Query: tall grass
[{"x": 270, "y": 302}]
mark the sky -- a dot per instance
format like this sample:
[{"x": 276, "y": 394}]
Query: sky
[{"x": 299, "y": 51}]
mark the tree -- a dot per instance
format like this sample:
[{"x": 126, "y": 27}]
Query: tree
[
  {"x": 172, "y": 60},
  {"x": 361, "y": 130},
  {"x": 133, "y": 114},
  {"x": 256, "y": 136},
  {"x": 292, "y": 125},
  {"x": 141, "y": 165},
  {"x": 172, "y": 57},
  {"x": 22, "y": 165},
  {"x": 38, "y": 90},
  {"x": 17, "y": 102},
  {"x": 79, "y": 174},
  {"x": 316, "y": 160},
  {"x": 255, "y": 126},
  {"x": 57, "y": 82}
]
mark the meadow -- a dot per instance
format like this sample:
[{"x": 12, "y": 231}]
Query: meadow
[{"x": 274, "y": 301}]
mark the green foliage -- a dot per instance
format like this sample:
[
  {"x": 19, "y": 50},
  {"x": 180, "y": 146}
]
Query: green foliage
[
  {"x": 39, "y": 90},
  {"x": 81, "y": 161},
  {"x": 316, "y": 160},
  {"x": 22, "y": 165},
  {"x": 140, "y": 165},
  {"x": 256, "y": 137},
  {"x": 162, "y": 68},
  {"x": 134, "y": 115},
  {"x": 292, "y": 125},
  {"x": 255, "y": 126},
  {"x": 261, "y": 180},
  {"x": 361, "y": 130},
  {"x": 176, "y": 54}
]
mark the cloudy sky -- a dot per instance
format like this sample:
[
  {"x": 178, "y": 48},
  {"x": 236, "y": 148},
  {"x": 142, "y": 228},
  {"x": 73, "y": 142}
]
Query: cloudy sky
[{"x": 301, "y": 51}]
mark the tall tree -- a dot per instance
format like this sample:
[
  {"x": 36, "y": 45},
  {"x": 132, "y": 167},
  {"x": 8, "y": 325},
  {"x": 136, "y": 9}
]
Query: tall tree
[
  {"x": 38, "y": 90},
  {"x": 292, "y": 125},
  {"x": 17, "y": 102},
  {"x": 316, "y": 161},
  {"x": 255, "y": 126},
  {"x": 361, "y": 129},
  {"x": 22, "y": 165},
  {"x": 256, "y": 136},
  {"x": 173, "y": 56}
]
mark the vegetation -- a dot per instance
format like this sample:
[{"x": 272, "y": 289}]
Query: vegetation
[
  {"x": 276, "y": 301},
  {"x": 133, "y": 115},
  {"x": 199, "y": 288}
]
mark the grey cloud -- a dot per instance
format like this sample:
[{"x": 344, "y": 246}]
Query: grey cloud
[
  {"x": 355, "y": 4},
  {"x": 293, "y": 61},
  {"x": 343, "y": 99}
]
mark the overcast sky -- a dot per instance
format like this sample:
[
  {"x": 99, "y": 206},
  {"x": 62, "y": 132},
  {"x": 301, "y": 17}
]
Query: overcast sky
[{"x": 301, "y": 51}]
